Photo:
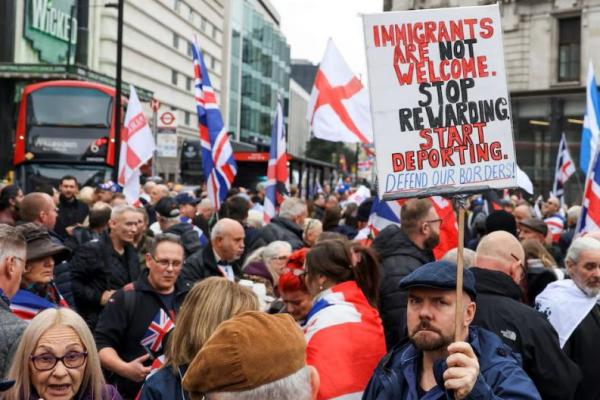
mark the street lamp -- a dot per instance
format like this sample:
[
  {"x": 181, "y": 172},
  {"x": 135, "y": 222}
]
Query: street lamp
[{"x": 119, "y": 6}]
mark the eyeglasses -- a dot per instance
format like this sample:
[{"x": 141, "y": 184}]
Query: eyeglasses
[
  {"x": 47, "y": 361},
  {"x": 164, "y": 263}
]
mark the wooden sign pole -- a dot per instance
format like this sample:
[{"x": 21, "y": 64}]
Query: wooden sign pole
[{"x": 458, "y": 318}]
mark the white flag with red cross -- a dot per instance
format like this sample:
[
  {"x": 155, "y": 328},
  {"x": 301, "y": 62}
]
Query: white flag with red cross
[
  {"x": 137, "y": 147},
  {"x": 339, "y": 103}
]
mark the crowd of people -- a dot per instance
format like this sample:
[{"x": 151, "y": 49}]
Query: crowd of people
[{"x": 172, "y": 298}]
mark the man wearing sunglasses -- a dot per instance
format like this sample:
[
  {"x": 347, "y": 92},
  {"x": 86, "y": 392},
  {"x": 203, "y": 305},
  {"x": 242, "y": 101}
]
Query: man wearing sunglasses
[
  {"x": 131, "y": 330},
  {"x": 402, "y": 250},
  {"x": 498, "y": 270}
]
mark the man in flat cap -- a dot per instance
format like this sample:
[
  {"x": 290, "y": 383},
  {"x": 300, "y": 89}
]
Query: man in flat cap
[
  {"x": 432, "y": 365},
  {"x": 253, "y": 355}
]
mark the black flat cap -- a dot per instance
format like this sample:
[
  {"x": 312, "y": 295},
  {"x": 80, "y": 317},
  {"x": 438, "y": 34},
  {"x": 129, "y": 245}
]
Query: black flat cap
[{"x": 439, "y": 275}]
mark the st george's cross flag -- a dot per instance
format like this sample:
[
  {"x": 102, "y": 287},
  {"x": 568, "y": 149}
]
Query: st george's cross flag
[
  {"x": 137, "y": 147},
  {"x": 217, "y": 154},
  {"x": 339, "y": 110}
]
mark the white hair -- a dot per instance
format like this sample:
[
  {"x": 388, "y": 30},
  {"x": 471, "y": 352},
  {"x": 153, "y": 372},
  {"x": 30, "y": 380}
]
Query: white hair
[
  {"x": 580, "y": 245},
  {"x": 292, "y": 207},
  {"x": 468, "y": 256},
  {"x": 120, "y": 210},
  {"x": 573, "y": 213},
  {"x": 293, "y": 387}
]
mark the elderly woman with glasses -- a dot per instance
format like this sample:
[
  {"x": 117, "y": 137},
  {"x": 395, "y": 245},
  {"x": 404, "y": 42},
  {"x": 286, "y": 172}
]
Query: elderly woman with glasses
[
  {"x": 38, "y": 290},
  {"x": 57, "y": 359},
  {"x": 266, "y": 264}
]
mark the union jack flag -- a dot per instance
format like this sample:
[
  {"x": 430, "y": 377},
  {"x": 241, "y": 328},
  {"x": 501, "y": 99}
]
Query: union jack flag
[
  {"x": 217, "y": 155},
  {"x": 157, "y": 330},
  {"x": 26, "y": 305},
  {"x": 277, "y": 172},
  {"x": 564, "y": 168},
  {"x": 589, "y": 220}
]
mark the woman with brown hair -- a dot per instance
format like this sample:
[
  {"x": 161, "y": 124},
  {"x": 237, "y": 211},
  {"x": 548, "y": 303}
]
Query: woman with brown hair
[
  {"x": 209, "y": 303},
  {"x": 343, "y": 330}
]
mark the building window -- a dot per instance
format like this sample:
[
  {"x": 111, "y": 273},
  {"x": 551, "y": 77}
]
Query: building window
[
  {"x": 187, "y": 117},
  {"x": 569, "y": 49},
  {"x": 213, "y": 63},
  {"x": 177, "y": 5},
  {"x": 174, "y": 77},
  {"x": 189, "y": 49},
  {"x": 214, "y": 32},
  {"x": 188, "y": 83},
  {"x": 175, "y": 40}
]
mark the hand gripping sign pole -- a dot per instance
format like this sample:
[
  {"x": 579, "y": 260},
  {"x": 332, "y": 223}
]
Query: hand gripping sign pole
[{"x": 440, "y": 108}]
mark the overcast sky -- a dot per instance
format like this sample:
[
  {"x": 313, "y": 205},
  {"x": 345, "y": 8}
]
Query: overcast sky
[{"x": 308, "y": 24}]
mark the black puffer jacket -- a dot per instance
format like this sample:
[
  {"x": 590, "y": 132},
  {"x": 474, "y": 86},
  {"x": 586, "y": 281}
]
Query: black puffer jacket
[
  {"x": 399, "y": 257},
  {"x": 189, "y": 237},
  {"x": 278, "y": 229},
  {"x": 527, "y": 332},
  {"x": 203, "y": 264},
  {"x": 96, "y": 267}
]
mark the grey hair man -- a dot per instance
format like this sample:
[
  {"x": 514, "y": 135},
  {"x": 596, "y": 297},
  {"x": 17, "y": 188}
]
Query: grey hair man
[
  {"x": 268, "y": 353},
  {"x": 287, "y": 226},
  {"x": 102, "y": 266},
  {"x": 221, "y": 257},
  {"x": 13, "y": 254},
  {"x": 572, "y": 307}
]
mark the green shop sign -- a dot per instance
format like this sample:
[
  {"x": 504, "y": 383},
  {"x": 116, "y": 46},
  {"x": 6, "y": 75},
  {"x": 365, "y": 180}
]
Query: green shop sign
[{"x": 50, "y": 28}]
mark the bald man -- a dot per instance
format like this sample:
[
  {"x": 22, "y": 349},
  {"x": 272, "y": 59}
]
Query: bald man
[
  {"x": 40, "y": 209},
  {"x": 498, "y": 270},
  {"x": 219, "y": 258},
  {"x": 522, "y": 213}
]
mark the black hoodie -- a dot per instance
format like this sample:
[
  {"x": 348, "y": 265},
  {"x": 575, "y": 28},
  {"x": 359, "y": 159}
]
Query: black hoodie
[
  {"x": 526, "y": 331},
  {"x": 399, "y": 257}
]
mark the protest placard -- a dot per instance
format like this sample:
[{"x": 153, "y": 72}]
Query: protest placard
[{"x": 439, "y": 101}]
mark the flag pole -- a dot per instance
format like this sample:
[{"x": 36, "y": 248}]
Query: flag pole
[{"x": 458, "y": 317}]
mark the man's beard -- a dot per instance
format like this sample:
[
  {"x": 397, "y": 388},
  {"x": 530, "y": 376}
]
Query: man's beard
[
  {"x": 432, "y": 240},
  {"x": 590, "y": 291},
  {"x": 429, "y": 344}
]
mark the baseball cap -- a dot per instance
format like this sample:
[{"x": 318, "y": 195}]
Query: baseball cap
[
  {"x": 167, "y": 207},
  {"x": 186, "y": 198}
]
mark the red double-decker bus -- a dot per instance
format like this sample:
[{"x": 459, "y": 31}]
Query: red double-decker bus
[{"x": 64, "y": 128}]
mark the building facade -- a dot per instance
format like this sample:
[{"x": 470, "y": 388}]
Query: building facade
[
  {"x": 157, "y": 55},
  {"x": 547, "y": 48},
  {"x": 298, "y": 125},
  {"x": 258, "y": 70}
]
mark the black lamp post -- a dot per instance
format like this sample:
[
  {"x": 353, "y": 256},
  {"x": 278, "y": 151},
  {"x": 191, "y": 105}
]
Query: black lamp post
[{"x": 119, "y": 6}]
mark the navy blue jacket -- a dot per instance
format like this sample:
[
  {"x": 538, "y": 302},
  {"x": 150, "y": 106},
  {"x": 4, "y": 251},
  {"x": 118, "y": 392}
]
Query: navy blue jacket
[
  {"x": 500, "y": 376},
  {"x": 165, "y": 385}
]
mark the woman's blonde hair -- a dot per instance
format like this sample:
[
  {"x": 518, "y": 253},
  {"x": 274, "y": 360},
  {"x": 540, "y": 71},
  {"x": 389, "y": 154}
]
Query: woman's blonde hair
[
  {"x": 209, "y": 303},
  {"x": 534, "y": 249},
  {"x": 93, "y": 380}
]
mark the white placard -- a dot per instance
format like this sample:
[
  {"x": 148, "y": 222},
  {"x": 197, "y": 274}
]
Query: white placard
[
  {"x": 439, "y": 101},
  {"x": 166, "y": 142}
]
